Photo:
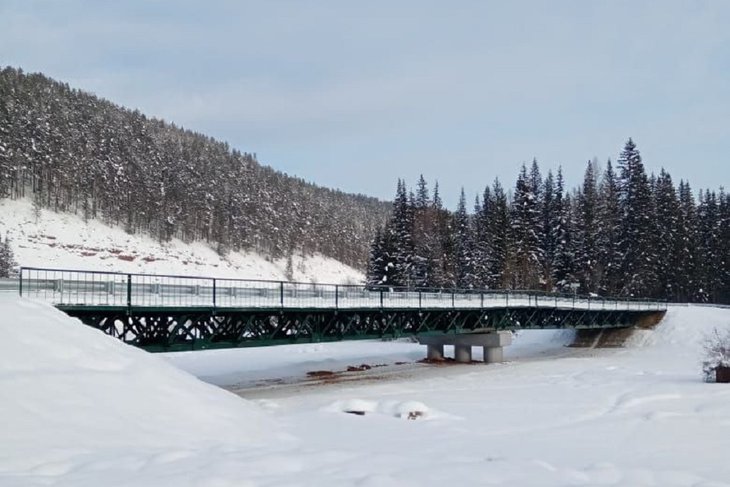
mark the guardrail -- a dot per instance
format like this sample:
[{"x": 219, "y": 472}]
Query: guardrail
[{"x": 100, "y": 288}]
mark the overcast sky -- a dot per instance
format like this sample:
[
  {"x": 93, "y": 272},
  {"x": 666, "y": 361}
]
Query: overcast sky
[{"x": 355, "y": 94}]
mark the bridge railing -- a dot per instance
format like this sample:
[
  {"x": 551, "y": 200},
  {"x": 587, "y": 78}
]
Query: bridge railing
[{"x": 100, "y": 288}]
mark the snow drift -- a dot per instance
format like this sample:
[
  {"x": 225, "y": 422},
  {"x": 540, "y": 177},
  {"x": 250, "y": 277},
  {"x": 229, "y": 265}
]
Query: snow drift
[
  {"x": 69, "y": 391},
  {"x": 81, "y": 409}
]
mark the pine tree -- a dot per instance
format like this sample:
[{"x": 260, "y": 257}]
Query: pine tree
[
  {"x": 463, "y": 246},
  {"x": 638, "y": 258},
  {"x": 422, "y": 198},
  {"x": 709, "y": 225},
  {"x": 482, "y": 239},
  {"x": 7, "y": 260},
  {"x": 565, "y": 253},
  {"x": 557, "y": 233},
  {"x": 550, "y": 218},
  {"x": 587, "y": 232},
  {"x": 686, "y": 270},
  {"x": 436, "y": 203},
  {"x": 444, "y": 270},
  {"x": 724, "y": 246},
  {"x": 424, "y": 258},
  {"x": 499, "y": 229},
  {"x": 376, "y": 270},
  {"x": 609, "y": 233},
  {"x": 525, "y": 230},
  {"x": 402, "y": 237},
  {"x": 667, "y": 239}
]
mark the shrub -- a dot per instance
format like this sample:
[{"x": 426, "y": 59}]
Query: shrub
[{"x": 717, "y": 353}]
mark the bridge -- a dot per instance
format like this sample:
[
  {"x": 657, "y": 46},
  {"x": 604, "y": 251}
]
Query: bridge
[{"x": 174, "y": 313}]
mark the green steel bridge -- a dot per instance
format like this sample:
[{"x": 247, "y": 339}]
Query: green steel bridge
[{"x": 173, "y": 313}]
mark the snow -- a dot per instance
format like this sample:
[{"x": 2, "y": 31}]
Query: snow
[
  {"x": 81, "y": 409},
  {"x": 52, "y": 240},
  {"x": 77, "y": 405}
]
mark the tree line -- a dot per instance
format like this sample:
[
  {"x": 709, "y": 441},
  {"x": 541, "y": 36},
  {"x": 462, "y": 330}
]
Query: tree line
[
  {"x": 68, "y": 150},
  {"x": 621, "y": 233}
]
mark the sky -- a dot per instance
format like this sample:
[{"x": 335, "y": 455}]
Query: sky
[{"x": 354, "y": 95}]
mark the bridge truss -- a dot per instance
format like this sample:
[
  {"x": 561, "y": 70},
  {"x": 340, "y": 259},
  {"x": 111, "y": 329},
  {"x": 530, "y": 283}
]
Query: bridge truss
[{"x": 168, "y": 313}]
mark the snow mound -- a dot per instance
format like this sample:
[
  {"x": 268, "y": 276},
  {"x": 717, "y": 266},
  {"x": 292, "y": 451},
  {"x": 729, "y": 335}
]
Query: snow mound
[
  {"x": 684, "y": 327},
  {"x": 74, "y": 391},
  {"x": 396, "y": 409},
  {"x": 65, "y": 240}
]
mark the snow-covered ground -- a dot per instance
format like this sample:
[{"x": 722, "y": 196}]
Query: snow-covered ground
[
  {"x": 81, "y": 409},
  {"x": 64, "y": 240}
]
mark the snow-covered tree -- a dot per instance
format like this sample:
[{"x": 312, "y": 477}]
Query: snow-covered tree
[
  {"x": 587, "y": 232},
  {"x": 7, "y": 259},
  {"x": 526, "y": 230},
  {"x": 463, "y": 246},
  {"x": 638, "y": 257}
]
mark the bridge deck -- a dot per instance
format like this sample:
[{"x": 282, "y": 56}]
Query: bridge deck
[
  {"x": 181, "y": 313},
  {"x": 82, "y": 288}
]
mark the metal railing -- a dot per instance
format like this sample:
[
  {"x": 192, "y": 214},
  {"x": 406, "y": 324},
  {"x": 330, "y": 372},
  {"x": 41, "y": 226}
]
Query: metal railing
[{"x": 100, "y": 288}]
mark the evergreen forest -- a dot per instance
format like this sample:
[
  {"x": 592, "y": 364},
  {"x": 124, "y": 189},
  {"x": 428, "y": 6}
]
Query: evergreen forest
[
  {"x": 70, "y": 151},
  {"x": 621, "y": 233}
]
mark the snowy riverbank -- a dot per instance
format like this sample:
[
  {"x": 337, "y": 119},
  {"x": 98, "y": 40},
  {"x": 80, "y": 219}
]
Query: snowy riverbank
[{"x": 81, "y": 409}]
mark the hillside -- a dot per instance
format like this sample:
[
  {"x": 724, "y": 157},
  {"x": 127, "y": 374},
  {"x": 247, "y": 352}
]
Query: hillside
[
  {"x": 49, "y": 239},
  {"x": 69, "y": 151}
]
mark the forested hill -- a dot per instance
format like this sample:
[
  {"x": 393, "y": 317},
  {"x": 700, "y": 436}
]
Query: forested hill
[{"x": 71, "y": 151}]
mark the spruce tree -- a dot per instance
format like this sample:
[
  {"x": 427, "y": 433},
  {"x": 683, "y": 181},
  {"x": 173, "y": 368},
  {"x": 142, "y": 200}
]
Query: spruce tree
[
  {"x": 564, "y": 273},
  {"x": 609, "y": 233},
  {"x": 444, "y": 273},
  {"x": 548, "y": 235},
  {"x": 638, "y": 258},
  {"x": 422, "y": 198},
  {"x": 375, "y": 273},
  {"x": 667, "y": 238},
  {"x": 687, "y": 251},
  {"x": 525, "y": 230},
  {"x": 724, "y": 246},
  {"x": 709, "y": 274},
  {"x": 498, "y": 227},
  {"x": 402, "y": 236},
  {"x": 463, "y": 246},
  {"x": 482, "y": 239},
  {"x": 7, "y": 259},
  {"x": 587, "y": 232},
  {"x": 423, "y": 237}
]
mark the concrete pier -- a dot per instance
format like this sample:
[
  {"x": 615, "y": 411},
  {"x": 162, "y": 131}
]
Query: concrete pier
[
  {"x": 492, "y": 342},
  {"x": 435, "y": 352},
  {"x": 493, "y": 354},
  {"x": 462, "y": 353}
]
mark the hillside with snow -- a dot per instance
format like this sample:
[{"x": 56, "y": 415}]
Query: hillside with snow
[
  {"x": 81, "y": 409},
  {"x": 64, "y": 240}
]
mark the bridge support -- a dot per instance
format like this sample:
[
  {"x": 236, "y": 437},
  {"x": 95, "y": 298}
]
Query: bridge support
[
  {"x": 493, "y": 344},
  {"x": 462, "y": 353},
  {"x": 435, "y": 352},
  {"x": 493, "y": 354}
]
